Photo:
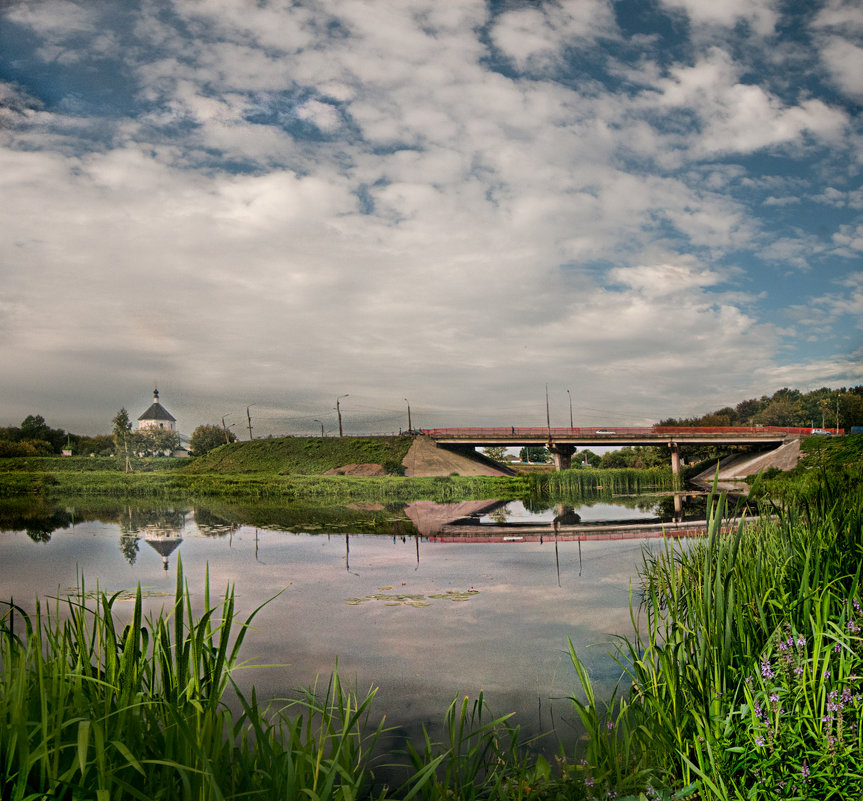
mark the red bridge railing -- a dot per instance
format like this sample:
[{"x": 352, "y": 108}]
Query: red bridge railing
[{"x": 617, "y": 431}]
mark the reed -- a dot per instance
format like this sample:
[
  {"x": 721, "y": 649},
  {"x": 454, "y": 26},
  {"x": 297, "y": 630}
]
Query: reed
[
  {"x": 92, "y": 710},
  {"x": 612, "y": 480},
  {"x": 740, "y": 676}
]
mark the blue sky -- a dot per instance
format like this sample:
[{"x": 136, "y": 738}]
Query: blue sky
[{"x": 656, "y": 205}]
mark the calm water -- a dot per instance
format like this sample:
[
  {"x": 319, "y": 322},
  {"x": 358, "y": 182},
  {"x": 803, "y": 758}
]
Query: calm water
[{"x": 491, "y": 617}]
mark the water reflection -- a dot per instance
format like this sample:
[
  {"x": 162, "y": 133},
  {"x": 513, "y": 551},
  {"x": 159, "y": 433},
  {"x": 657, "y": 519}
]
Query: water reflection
[{"x": 427, "y": 601}]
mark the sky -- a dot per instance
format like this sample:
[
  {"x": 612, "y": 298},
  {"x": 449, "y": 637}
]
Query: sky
[{"x": 652, "y": 207}]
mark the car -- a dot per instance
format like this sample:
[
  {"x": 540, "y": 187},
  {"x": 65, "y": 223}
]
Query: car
[
  {"x": 820, "y": 431},
  {"x": 603, "y": 431}
]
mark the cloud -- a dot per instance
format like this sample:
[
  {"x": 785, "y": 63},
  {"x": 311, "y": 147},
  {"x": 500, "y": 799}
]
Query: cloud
[
  {"x": 535, "y": 36},
  {"x": 302, "y": 201},
  {"x": 741, "y": 117},
  {"x": 760, "y": 15}
]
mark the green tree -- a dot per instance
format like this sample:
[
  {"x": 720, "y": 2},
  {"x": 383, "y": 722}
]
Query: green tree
[
  {"x": 123, "y": 441},
  {"x": 155, "y": 441},
  {"x": 206, "y": 437},
  {"x": 35, "y": 429},
  {"x": 496, "y": 452},
  {"x": 535, "y": 454},
  {"x": 99, "y": 445}
]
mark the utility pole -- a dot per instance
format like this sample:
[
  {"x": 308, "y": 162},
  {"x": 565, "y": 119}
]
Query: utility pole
[
  {"x": 570, "y": 411},
  {"x": 250, "y": 421},
  {"x": 225, "y": 428},
  {"x": 410, "y": 427},
  {"x": 322, "y": 426},
  {"x": 547, "y": 414},
  {"x": 339, "y": 412}
]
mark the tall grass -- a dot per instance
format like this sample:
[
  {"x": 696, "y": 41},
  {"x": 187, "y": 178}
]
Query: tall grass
[
  {"x": 91, "y": 709},
  {"x": 618, "y": 480},
  {"x": 741, "y": 674}
]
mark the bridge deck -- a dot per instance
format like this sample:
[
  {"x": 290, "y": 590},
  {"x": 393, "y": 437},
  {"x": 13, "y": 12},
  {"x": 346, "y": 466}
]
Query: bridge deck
[{"x": 615, "y": 435}]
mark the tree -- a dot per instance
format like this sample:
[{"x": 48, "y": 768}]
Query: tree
[
  {"x": 155, "y": 441},
  {"x": 535, "y": 454},
  {"x": 123, "y": 438},
  {"x": 206, "y": 437},
  {"x": 495, "y": 452}
]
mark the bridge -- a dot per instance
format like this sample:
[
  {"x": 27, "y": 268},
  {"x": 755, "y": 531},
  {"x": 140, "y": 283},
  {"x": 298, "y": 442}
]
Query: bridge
[{"x": 563, "y": 442}]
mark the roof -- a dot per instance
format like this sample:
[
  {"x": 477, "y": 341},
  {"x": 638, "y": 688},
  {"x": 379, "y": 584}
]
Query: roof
[{"x": 157, "y": 412}]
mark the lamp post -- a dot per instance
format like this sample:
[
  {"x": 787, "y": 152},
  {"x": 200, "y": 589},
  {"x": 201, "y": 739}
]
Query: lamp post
[
  {"x": 249, "y": 416},
  {"x": 570, "y": 411},
  {"x": 322, "y": 426},
  {"x": 339, "y": 412},
  {"x": 410, "y": 427}
]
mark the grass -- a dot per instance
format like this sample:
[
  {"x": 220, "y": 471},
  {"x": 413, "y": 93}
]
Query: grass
[
  {"x": 94, "y": 708},
  {"x": 742, "y": 672},
  {"x": 614, "y": 480},
  {"x": 303, "y": 455}
]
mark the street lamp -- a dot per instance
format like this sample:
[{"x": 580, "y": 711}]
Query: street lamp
[
  {"x": 249, "y": 416},
  {"x": 322, "y": 426},
  {"x": 339, "y": 412},
  {"x": 570, "y": 410},
  {"x": 410, "y": 427},
  {"x": 225, "y": 428}
]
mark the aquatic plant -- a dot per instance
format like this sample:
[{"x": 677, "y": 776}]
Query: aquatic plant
[{"x": 740, "y": 677}]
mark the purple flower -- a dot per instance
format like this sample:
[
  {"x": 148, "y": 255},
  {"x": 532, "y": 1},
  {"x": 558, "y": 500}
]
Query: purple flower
[
  {"x": 801, "y": 641},
  {"x": 589, "y": 781},
  {"x": 766, "y": 670},
  {"x": 804, "y": 769},
  {"x": 759, "y": 741},
  {"x": 774, "y": 697},
  {"x": 610, "y": 725},
  {"x": 837, "y": 648}
]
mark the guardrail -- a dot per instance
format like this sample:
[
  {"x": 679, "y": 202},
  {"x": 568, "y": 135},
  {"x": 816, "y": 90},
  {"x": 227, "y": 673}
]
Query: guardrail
[{"x": 617, "y": 431}]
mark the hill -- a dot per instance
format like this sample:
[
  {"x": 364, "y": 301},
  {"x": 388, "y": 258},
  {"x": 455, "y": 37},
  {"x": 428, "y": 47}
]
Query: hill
[{"x": 303, "y": 455}]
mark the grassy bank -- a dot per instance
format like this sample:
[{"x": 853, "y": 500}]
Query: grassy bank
[
  {"x": 742, "y": 681},
  {"x": 303, "y": 455},
  {"x": 175, "y": 485},
  {"x": 276, "y": 469}
]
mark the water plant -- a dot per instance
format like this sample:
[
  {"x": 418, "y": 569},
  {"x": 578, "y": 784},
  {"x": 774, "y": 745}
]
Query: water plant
[{"x": 741, "y": 674}]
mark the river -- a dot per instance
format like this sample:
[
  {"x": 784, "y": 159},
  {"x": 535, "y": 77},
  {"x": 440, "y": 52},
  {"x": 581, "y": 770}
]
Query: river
[{"x": 379, "y": 590}]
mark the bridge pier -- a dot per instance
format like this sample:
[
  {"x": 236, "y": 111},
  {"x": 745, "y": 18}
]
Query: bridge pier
[
  {"x": 675, "y": 462},
  {"x": 561, "y": 452}
]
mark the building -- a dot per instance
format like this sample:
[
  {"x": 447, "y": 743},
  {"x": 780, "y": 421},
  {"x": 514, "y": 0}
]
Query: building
[{"x": 157, "y": 416}]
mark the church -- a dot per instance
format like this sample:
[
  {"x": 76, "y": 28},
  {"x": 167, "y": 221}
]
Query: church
[{"x": 157, "y": 416}]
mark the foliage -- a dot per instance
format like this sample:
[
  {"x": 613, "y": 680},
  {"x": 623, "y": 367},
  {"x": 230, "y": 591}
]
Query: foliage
[
  {"x": 535, "y": 454},
  {"x": 98, "y": 445},
  {"x": 151, "y": 441},
  {"x": 35, "y": 432},
  {"x": 27, "y": 448},
  {"x": 741, "y": 681},
  {"x": 820, "y": 408},
  {"x": 206, "y": 437},
  {"x": 89, "y": 710},
  {"x": 123, "y": 441},
  {"x": 495, "y": 452},
  {"x": 640, "y": 457},
  {"x": 583, "y": 480}
]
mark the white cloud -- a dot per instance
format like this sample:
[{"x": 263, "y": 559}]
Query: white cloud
[
  {"x": 844, "y": 59},
  {"x": 456, "y": 231},
  {"x": 740, "y": 117},
  {"x": 536, "y": 35},
  {"x": 761, "y": 15}
]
